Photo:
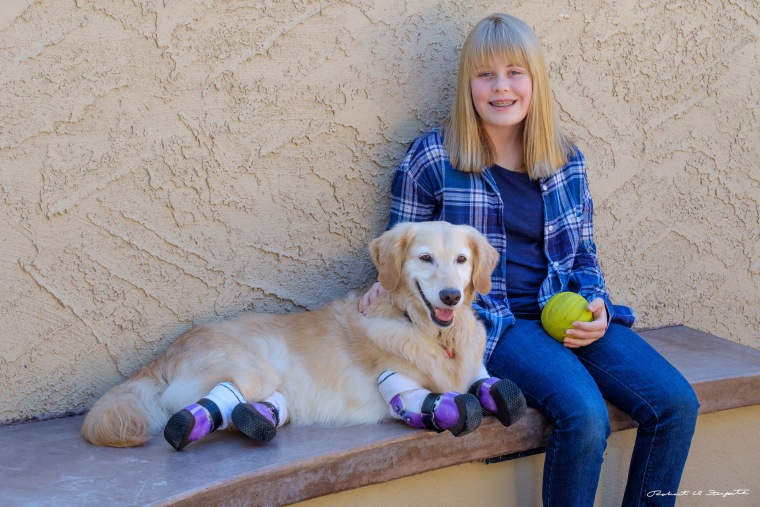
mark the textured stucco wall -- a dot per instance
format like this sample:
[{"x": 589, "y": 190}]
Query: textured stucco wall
[{"x": 169, "y": 163}]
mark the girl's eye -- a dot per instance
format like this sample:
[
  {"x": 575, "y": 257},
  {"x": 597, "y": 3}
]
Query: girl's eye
[
  {"x": 426, "y": 258},
  {"x": 461, "y": 259},
  {"x": 485, "y": 74}
]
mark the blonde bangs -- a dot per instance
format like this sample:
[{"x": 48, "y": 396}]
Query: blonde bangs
[{"x": 496, "y": 43}]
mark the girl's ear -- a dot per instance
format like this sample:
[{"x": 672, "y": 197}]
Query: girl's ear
[
  {"x": 484, "y": 259},
  {"x": 388, "y": 254}
]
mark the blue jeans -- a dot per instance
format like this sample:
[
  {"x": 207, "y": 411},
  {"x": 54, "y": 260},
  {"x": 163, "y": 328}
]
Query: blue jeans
[{"x": 569, "y": 388}]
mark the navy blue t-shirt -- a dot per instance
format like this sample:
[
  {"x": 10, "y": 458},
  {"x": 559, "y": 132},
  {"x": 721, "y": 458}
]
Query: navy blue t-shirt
[{"x": 524, "y": 223}]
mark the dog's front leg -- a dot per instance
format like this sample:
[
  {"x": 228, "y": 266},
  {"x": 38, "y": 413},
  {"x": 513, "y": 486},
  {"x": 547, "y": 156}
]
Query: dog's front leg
[{"x": 420, "y": 408}]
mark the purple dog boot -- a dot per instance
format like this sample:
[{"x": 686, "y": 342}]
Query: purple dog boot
[
  {"x": 413, "y": 419},
  {"x": 192, "y": 423},
  {"x": 257, "y": 421},
  {"x": 500, "y": 398},
  {"x": 458, "y": 413}
]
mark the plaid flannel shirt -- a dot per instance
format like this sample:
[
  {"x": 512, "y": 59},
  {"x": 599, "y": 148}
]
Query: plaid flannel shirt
[{"x": 426, "y": 187}]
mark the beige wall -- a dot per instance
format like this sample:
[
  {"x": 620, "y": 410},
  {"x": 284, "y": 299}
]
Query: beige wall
[{"x": 169, "y": 163}]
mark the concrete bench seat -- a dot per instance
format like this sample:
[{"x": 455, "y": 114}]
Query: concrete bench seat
[{"x": 48, "y": 463}]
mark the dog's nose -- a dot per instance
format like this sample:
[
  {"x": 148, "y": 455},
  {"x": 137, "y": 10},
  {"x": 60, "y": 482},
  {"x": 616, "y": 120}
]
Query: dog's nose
[{"x": 450, "y": 297}]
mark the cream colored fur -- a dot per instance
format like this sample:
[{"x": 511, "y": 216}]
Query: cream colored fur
[{"x": 325, "y": 362}]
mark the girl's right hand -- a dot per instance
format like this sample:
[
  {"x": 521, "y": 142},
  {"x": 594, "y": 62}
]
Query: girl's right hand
[{"x": 373, "y": 294}]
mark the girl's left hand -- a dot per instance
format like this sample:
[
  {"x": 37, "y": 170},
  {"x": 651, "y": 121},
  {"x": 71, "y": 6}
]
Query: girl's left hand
[{"x": 586, "y": 333}]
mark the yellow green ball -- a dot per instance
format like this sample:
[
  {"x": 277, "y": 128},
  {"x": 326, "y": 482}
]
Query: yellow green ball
[{"x": 561, "y": 311}]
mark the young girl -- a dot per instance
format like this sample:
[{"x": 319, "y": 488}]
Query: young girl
[{"x": 501, "y": 164}]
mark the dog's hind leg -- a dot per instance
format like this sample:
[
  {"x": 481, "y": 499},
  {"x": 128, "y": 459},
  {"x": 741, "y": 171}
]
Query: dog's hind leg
[
  {"x": 210, "y": 413},
  {"x": 217, "y": 409},
  {"x": 259, "y": 420},
  {"x": 421, "y": 408},
  {"x": 499, "y": 397}
]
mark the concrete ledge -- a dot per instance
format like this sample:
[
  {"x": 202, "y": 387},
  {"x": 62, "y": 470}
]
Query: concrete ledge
[{"x": 48, "y": 463}]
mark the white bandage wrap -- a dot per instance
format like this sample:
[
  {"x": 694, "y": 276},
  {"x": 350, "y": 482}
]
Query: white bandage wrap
[
  {"x": 279, "y": 402},
  {"x": 226, "y": 396},
  {"x": 482, "y": 374},
  {"x": 391, "y": 383}
]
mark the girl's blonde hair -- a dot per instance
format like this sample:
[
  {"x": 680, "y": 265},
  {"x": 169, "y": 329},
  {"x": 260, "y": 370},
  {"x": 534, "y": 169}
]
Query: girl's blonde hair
[{"x": 503, "y": 37}]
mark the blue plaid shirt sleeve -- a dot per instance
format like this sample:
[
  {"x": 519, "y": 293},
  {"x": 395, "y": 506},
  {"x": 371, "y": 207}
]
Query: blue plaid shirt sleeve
[
  {"x": 413, "y": 193},
  {"x": 570, "y": 246}
]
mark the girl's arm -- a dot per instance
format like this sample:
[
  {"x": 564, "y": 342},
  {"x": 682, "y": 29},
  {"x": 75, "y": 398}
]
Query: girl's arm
[
  {"x": 587, "y": 272},
  {"x": 588, "y": 276},
  {"x": 416, "y": 182}
]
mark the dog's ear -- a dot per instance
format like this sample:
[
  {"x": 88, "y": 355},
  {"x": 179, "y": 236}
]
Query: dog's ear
[
  {"x": 389, "y": 252},
  {"x": 484, "y": 261}
]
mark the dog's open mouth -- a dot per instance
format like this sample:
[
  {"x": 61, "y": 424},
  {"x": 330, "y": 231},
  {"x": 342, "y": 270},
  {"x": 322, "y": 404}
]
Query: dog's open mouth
[{"x": 441, "y": 316}]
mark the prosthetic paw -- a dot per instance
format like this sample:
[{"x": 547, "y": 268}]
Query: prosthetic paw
[
  {"x": 258, "y": 421},
  {"x": 500, "y": 398},
  {"x": 458, "y": 413},
  {"x": 191, "y": 424}
]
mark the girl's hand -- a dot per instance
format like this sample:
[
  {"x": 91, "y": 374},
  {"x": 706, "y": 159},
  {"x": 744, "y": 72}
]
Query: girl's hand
[
  {"x": 586, "y": 333},
  {"x": 373, "y": 294}
]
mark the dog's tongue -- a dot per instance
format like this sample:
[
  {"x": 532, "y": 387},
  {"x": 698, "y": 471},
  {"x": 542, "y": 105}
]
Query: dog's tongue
[{"x": 444, "y": 314}]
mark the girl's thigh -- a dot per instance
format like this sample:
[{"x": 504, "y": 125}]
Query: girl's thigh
[
  {"x": 550, "y": 375},
  {"x": 632, "y": 375}
]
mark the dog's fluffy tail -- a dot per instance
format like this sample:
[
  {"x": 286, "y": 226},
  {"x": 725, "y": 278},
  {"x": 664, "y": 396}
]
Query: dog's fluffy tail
[{"x": 126, "y": 415}]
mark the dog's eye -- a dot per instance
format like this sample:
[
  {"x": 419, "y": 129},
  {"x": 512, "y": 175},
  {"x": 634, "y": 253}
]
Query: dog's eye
[
  {"x": 426, "y": 258},
  {"x": 461, "y": 259}
]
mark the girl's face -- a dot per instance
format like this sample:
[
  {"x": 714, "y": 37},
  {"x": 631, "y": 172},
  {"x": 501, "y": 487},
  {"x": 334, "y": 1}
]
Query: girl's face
[{"x": 501, "y": 94}]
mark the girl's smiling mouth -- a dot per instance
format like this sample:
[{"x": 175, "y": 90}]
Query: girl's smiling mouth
[{"x": 502, "y": 103}]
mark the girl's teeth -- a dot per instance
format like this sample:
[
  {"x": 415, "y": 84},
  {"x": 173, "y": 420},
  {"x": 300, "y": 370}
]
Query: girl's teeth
[{"x": 503, "y": 103}]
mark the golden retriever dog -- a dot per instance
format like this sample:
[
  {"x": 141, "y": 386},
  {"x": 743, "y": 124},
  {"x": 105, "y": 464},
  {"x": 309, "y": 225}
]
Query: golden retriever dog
[{"x": 324, "y": 365}]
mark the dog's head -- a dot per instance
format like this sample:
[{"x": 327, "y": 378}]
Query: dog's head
[{"x": 439, "y": 264}]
